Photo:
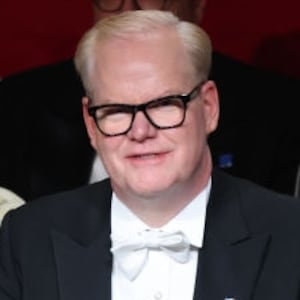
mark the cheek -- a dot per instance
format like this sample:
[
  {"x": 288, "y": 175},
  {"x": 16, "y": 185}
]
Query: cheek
[
  {"x": 195, "y": 122},
  {"x": 109, "y": 149},
  {"x": 195, "y": 136}
]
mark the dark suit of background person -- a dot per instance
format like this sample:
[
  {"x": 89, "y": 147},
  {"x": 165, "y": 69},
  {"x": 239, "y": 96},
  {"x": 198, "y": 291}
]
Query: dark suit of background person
[
  {"x": 251, "y": 243},
  {"x": 47, "y": 148}
]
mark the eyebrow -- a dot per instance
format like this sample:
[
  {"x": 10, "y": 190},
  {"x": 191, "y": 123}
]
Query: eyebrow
[{"x": 165, "y": 94}]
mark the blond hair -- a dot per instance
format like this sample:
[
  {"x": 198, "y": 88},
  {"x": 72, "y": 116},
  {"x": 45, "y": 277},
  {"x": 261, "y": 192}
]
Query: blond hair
[{"x": 194, "y": 40}]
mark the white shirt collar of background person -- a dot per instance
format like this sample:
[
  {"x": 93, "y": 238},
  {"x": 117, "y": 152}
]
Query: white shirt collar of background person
[
  {"x": 98, "y": 171},
  {"x": 8, "y": 201},
  {"x": 162, "y": 277}
]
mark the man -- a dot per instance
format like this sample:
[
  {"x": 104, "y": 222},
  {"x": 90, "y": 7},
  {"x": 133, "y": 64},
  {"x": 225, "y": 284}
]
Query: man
[
  {"x": 255, "y": 140},
  {"x": 178, "y": 231}
]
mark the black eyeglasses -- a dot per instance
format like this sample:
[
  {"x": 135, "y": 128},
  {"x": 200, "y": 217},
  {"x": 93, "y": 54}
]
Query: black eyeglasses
[
  {"x": 163, "y": 113},
  {"x": 116, "y": 5}
]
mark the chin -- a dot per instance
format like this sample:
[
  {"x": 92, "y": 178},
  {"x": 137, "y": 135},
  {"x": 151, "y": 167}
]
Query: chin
[{"x": 150, "y": 187}]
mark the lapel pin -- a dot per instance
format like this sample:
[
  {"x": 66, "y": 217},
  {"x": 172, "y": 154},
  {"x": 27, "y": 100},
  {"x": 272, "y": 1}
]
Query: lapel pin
[{"x": 225, "y": 161}]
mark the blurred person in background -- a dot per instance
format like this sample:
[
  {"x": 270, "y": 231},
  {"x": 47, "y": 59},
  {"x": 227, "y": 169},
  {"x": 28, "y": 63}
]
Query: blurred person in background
[
  {"x": 165, "y": 225},
  {"x": 257, "y": 137}
]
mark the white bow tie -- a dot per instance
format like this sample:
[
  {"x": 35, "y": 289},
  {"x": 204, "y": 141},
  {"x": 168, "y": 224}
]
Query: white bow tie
[{"x": 131, "y": 254}]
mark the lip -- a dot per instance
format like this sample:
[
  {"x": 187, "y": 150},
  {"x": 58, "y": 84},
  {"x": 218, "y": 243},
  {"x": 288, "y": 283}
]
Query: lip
[{"x": 147, "y": 157}]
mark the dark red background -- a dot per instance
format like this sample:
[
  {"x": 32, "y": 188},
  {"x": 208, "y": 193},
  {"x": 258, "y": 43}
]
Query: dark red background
[{"x": 265, "y": 33}]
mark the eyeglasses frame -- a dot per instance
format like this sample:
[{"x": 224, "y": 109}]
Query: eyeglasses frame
[{"x": 133, "y": 109}]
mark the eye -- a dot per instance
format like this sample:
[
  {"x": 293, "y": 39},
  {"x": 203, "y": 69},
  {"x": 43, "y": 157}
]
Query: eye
[
  {"x": 168, "y": 103},
  {"x": 112, "y": 112}
]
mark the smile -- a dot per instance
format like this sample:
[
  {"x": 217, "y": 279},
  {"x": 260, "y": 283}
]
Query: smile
[{"x": 153, "y": 156}]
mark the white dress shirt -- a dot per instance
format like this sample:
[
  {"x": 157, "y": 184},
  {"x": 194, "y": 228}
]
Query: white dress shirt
[{"x": 162, "y": 278}]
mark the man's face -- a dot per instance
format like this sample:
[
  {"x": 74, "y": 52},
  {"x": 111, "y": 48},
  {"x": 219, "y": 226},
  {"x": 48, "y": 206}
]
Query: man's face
[
  {"x": 188, "y": 10},
  {"x": 146, "y": 160}
]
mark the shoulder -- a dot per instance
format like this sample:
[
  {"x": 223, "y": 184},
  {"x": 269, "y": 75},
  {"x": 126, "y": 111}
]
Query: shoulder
[
  {"x": 223, "y": 64},
  {"x": 261, "y": 207},
  {"x": 230, "y": 185},
  {"x": 55, "y": 86},
  {"x": 38, "y": 74},
  {"x": 229, "y": 71},
  {"x": 59, "y": 80},
  {"x": 65, "y": 207}
]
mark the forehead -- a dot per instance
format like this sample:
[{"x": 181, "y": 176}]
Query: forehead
[{"x": 148, "y": 65}]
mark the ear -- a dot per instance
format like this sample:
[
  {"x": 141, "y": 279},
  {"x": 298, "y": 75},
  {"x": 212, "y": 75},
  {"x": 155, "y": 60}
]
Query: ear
[
  {"x": 89, "y": 122},
  {"x": 210, "y": 100}
]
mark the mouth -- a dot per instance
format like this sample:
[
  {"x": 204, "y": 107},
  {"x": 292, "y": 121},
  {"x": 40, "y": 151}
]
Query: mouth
[
  {"x": 145, "y": 156},
  {"x": 152, "y": 156}
]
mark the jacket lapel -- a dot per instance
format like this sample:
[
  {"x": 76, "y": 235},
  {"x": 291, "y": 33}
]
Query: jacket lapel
[
  {"x": 231, "y": 257},
  {"x": 84, "y": 272},
  {"x": 82, "y": 256},
  {"x": 229, "y": 262}
]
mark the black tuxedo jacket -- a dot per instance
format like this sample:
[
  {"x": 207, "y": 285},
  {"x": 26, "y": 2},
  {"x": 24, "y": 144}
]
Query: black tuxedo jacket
[
  {"x": 57, "y": 248},
  {"x": 45, "y": 148}
]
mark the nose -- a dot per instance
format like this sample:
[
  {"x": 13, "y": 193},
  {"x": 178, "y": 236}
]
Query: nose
[
  {"x": 141, "y": 128},
  {"x": 129, "y": 5}
]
